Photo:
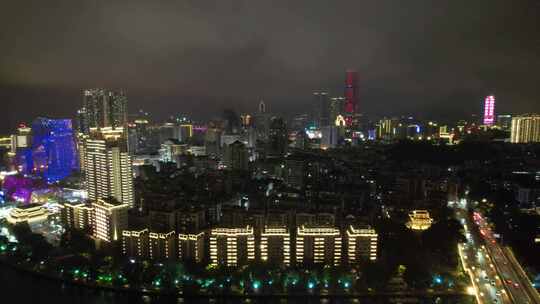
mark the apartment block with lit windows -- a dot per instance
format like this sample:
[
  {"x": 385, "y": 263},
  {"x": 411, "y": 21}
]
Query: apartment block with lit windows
[{"x": 232, "y": 246}]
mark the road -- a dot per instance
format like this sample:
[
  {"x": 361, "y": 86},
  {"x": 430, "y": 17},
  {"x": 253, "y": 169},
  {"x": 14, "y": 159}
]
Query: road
[{"x": 497, "y": 276}]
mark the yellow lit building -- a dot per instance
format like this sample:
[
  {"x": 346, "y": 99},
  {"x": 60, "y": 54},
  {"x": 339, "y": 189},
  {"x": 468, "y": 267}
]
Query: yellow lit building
[
  {"x": 76, "y": 215},
  {"x": 108, "y": 170},
  {"x": 191, "y": 247},
  {"x": 163, "y": 245},
  {"x": 276, "y": 245},
  {"x": 525, "y": 129},
  {"x": 110, "y": 219},
  {"x": 318, "y": 245},
  {"x": 32, "y": 213},
  {"x": 361, "y": 244},
  {"x": 419, "y": 220},
  {"x": 232, "y": 246}
]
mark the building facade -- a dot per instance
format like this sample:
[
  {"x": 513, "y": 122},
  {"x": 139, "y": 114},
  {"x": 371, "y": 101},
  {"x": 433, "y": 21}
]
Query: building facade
[{"x": 525, "y": 129}]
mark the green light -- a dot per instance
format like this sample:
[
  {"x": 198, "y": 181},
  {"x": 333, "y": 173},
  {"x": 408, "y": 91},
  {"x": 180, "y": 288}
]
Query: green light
[
  {"x": 256, "y": 284},
  {"x": 3, "y": 247},
  {"x": 311, "y": 285}
]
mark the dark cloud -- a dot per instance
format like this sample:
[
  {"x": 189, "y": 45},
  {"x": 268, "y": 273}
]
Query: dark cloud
[{"x": 429, "y": 57}]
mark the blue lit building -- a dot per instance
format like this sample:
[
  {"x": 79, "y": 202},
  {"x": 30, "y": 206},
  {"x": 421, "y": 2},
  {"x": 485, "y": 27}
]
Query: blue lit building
[{"x": 54, "y": 152}]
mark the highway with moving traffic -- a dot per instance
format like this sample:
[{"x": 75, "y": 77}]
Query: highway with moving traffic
[{"x": 496, "y": 275}]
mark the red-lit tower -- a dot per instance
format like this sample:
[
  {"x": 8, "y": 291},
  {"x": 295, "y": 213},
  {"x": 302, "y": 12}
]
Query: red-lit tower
[{"x": 351, "y": 96}]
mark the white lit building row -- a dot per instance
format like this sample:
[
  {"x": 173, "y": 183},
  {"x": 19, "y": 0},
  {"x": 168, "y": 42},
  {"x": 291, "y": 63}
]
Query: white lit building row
[
  {"x": 163, "y": 246},
  {"x": 240, "y": 245}
]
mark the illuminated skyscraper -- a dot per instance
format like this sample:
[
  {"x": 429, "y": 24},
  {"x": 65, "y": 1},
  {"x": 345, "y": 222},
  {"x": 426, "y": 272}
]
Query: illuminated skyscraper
[
  {"x": 54, "y": 153},
  {"x": 232, "y": 246},
  {"x": 525, "y": 129},
  {"x": 110, "y": 219},
  {"x": 489, "y": 110},
  {"x": 351, "y": 96},
  {"x": 108, "y": 170},
  {"x": 104, "y": 108}
]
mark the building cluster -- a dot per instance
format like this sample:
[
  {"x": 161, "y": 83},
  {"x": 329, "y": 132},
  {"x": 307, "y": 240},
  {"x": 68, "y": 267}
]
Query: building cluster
[{"x": 236, "y": 246}]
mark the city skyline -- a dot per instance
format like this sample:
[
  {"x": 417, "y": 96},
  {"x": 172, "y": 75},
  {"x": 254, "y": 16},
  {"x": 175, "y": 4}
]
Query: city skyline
[{"x": 414, "y": 59}]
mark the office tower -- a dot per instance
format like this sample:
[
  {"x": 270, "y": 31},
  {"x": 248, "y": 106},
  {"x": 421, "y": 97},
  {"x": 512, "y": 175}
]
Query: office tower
[
  {"x": 185, "y": 132},
  {"x": 525, "y": 129},
  {"x": 108, "y": 170},
  {"x": 336, "y": 108},
  {"x": 351, "y": 96},
  {"x": 53, "y": 148},
  {"x": 191, "y": 247},
  {"x": 261, "y": 122},
  {"x": 318, "y": 245},
  {"x": 236, "y": 156},
  {"x": 76, "y": 216},
  {"x": 170, "y": 149},
  {"x": 489, "y": 110},
  {"x": 21, "y": 148},
  {"x": 140, "y": 136},
  {"x": 110, "y": 219},
  {"x": 135, "y": 243},
  {"x": 361, "y": 244},
  {"x": 82, "y": 121},
  {"x": 262, "y": 107},
  {"x": 276, "y": 245},
  {"x": 386, "y": 129},
  {"x": 21, "y": 140},
  {"x": 105, "y": 108},
  {"x": 232, "y": 246},
  {"x": 321, "y": 116},
  {"x": 162, "y": 245},
  {"x": 329, "y": 137},
  {"x": 277, "y": 138},
  {"x": 504, "y": 121}
]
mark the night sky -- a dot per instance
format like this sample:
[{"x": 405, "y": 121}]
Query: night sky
[{"x": 433, "y": 58}]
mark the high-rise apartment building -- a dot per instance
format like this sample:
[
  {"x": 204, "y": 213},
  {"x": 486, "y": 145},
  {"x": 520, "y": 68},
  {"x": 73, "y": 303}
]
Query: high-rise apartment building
[
  {"x": 135, "y": 243},
  {"x": 232, "y": 246},
  {"x": 318, "y": 245},
  {"x": 162, "y": 245},
  {"x": 108, "y": 170},
  {"x": 104, "y": 108},
  {"x": 77, "y": 216},
  {"x": 361, "y": 244},
  {"x": 276, "y": 245},
  {"x": 110, "y": 219},
  {"x": 525, "y": 129},
  {"x": 191, "y": 247}
]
